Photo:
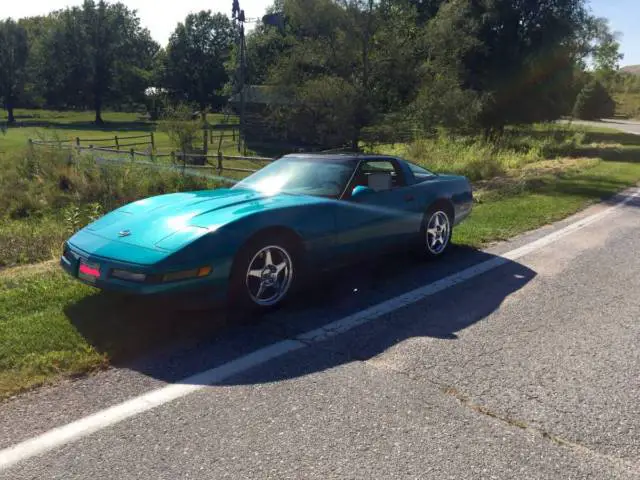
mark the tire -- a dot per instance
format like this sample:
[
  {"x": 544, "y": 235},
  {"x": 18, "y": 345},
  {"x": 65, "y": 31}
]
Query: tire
[
  {"x": 436, "y": 231},
  {"x": 264, "y": 274}
]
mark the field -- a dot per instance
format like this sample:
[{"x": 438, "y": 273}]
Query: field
[
  {"x": 51, "y": 326},
  {"x": 67, "y": 126}
]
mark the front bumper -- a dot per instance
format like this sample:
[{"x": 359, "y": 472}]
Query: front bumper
[{"x": 213, "y": 285}]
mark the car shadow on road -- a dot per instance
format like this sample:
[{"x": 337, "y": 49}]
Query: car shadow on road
[{"x": 166, "y": 342}]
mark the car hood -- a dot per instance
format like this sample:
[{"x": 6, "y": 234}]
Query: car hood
[{"x": 171, "y": 221}]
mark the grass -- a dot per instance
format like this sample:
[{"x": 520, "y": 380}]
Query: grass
[
  {"x": 37, "y": 340},
  {"x": 543, "y": 199},
  {"x": 52, "y": 326},
  {"x": 65, "y": 127},
  {"x": 46, "y": 196}
]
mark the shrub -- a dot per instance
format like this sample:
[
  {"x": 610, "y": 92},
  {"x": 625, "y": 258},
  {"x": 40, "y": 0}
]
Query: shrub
[
  {"x": 181, "y": 128},
  {"x": 594, "y": 102}
]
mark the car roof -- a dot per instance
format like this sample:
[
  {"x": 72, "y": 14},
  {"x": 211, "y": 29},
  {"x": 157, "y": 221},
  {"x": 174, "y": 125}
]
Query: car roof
[{"x": 336, "y": 156}]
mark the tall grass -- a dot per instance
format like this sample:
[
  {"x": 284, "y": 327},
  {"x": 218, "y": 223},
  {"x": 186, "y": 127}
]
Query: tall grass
[
  {"x": 480, "y": 160},
  {"x": 46, "y": 195}
]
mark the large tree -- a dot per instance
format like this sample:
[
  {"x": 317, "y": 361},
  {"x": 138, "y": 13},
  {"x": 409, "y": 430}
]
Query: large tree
[
  {"x": 13, "y": 60},
  {"x": 365, "y": 48},
  {"x": 195, "y": 59},
  {"x": 519, "y": 58},
  {"x": 96, "y": 54}
]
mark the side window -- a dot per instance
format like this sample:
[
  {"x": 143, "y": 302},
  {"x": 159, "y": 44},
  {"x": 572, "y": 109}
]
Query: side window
[
  {"x": 380, "y": 175},
  {"x": 418, "y": 171}
]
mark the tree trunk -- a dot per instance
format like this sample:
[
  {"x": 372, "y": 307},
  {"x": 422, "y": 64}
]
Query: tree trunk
[
  {"x": 205, "y": 131},
  {"x": 356, "y": 140},
  {"x": 98, "y": 108},
  {"x": 11, "y": 118}
]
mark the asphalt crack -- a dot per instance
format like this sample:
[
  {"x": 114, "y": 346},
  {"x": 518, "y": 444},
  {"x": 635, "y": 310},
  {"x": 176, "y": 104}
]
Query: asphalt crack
[{"x": 467, "y": 402}]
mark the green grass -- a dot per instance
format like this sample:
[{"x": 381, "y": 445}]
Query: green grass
[
  {"x": 67, "y": 126},
  {"x": 46, "y": 196},
  {"x": 52, "y": 326},
  {"x": 543, "y": 200},
  {"x": 37, "y": 340}
]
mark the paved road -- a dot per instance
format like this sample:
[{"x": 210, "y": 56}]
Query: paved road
[
  {"x": 627, "y": 126},
  {"x": 530, "y": 370}
]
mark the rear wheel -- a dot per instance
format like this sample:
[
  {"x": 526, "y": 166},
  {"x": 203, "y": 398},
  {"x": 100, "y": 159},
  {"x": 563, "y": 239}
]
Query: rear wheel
[
  {"x": 264, "y": 273},
  {"x": 437, "y": 229}
]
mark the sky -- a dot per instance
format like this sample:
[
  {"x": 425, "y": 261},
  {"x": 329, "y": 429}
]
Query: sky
[{"x": 161, "y": 16}]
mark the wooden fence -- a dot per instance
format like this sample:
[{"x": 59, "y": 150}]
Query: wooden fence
[
  {"x": 119, "y": 142},
  {"x": 217, "y": 161}
]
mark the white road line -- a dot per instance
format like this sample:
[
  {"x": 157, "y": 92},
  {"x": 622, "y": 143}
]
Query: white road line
[{"x": 155, "y": 398}]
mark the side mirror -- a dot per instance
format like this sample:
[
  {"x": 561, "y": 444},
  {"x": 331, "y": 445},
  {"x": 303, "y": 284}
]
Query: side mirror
[{"x": 361, "y": 192}]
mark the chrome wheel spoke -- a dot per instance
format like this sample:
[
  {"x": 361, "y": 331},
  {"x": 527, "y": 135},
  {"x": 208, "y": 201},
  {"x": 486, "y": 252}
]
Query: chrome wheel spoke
[
  {"x": 261, "y": 290},
  {"x": 255, "y": 273},
  {"x": 280, "y": 267},
  {"x": 268, "y": 259}
]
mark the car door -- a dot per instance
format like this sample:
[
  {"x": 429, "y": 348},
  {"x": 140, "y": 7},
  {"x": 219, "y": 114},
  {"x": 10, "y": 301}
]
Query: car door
[{"x": 383, "y": 217}]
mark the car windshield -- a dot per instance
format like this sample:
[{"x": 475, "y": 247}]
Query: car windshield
[{"x": 301, "y": 176}]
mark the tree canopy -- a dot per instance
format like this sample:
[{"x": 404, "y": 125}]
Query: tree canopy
[
  {"x": 349, "y": 68},
  {"x": 13, "y": 61},
  {"x": 195, "y": 60}
]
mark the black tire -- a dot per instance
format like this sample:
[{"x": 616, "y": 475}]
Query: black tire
[
  {"x": 241, "y": 298},
  {"x": 427, "y": 248}
]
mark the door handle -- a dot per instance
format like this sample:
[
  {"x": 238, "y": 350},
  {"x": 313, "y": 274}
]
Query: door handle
[{"x": 409, "y": 198}]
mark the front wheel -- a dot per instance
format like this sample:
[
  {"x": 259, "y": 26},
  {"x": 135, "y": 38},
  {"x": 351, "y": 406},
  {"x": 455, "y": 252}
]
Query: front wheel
[
  {"x": 437, "y": 229},
  {"x": 264, "y": 274}
]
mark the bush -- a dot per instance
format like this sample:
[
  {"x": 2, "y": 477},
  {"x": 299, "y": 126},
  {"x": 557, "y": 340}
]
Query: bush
[
  {"x": 594, "y": 103},
  {"x": 181, "y": 128}
]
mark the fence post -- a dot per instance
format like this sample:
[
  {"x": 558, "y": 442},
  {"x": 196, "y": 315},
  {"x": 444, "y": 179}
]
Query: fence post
[
  {"x": 77, "y": 141},
  {"x": 153, "y": 142},
  {"x": 173, "y": 157},
  {"x": 219, "y": 162},
  {"x": 117, "y": 144},
  {"x": 133, "y": 154}
]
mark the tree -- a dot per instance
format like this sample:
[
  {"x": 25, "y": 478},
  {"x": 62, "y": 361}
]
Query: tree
[
  {"x": 605, "y": 51},
  {"x": 96, "y": 54},
  {"x": 37, "y": 29},
  {"x": 196, "y": 55},
  {"x": 369, "y": 47},
  {"x": 518, "y": 55},
  {"x": 13, "y": 59},
  {"x": 594, "y": 102}
]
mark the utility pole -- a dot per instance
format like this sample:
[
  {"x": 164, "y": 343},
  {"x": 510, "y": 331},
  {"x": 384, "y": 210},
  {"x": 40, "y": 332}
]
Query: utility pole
[{"x": 239, "y": 19}]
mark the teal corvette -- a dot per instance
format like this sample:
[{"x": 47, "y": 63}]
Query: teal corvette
[{"x": 254, "y": 242}]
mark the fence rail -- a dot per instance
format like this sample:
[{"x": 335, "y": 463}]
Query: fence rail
[{"x": 216, "y": 161}]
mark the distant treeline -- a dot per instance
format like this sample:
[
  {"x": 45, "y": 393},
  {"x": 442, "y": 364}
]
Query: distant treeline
[{"x": 345, "y": 67}]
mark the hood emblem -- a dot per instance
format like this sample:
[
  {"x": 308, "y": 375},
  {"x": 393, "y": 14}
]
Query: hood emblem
[{"x": 124, "y": 233}]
